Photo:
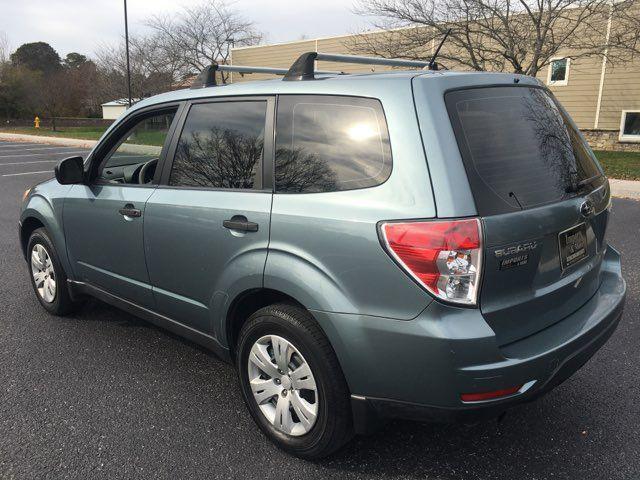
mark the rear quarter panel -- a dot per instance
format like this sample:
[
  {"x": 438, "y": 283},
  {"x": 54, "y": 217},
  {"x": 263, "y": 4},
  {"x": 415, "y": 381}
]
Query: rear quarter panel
[{"x": 324, "y": 248}]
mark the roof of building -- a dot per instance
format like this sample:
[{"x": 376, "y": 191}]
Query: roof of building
[{"x": 120, "y": 102}]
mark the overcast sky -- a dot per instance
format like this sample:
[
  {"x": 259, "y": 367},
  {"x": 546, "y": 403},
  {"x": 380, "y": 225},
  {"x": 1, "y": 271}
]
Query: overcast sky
[{"x": 83, "y": 25}]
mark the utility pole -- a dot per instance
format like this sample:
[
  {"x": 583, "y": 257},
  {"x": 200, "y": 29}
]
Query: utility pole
[{"x": 126, "y": 43}]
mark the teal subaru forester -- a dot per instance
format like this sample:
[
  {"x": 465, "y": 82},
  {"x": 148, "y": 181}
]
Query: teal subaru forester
[{"x": 417, "y": 244}]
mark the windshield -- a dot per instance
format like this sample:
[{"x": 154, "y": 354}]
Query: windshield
[{"x": 520, "y": 149}]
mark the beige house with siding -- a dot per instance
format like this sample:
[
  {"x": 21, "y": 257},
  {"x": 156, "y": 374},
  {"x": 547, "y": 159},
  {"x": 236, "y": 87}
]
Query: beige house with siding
[{"x": 603, "y": 98}]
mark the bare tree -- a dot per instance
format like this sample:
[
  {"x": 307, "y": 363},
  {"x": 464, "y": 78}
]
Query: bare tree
[
  {"x": 508, "y": 35},
  {"x": 201, "y": 35},
  {"x": 150, "y": 72},
  {"x": 53, "y": 96}
]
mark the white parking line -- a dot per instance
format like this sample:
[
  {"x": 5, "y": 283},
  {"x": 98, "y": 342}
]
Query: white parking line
[
  {"x": 26, "y": 173},
  {"x": 40, "y": 154},
  {"x": 27, "y": 163},
  {"x": 17, "y": 144},
  {"x": 4, "y": 149}
]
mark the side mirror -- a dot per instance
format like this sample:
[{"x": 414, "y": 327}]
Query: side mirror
[{"x": 70, "y": 171}]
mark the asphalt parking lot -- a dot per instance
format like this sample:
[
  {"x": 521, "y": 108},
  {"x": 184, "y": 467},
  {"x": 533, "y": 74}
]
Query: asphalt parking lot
[{"x": 105, "y": 395}]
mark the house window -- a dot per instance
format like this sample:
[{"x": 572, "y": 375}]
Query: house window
[
  {"x": 559, "y": 71},
  {"x": 630, "y": 126}
]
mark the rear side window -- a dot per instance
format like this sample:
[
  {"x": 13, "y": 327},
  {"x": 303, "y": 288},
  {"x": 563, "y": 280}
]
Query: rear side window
[
  {"x": 519, "y": 148},
  {"x": 328, "y": 144},
  {"x": 221, "y": 146}
]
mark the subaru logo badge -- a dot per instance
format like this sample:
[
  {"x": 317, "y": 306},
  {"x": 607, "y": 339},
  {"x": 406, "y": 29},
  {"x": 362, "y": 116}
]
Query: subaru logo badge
[{"x": 586, "y": 209}]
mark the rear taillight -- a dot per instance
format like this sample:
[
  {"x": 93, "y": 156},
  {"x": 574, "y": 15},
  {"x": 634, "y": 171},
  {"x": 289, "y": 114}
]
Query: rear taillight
[{"x": 443, "y": 256}]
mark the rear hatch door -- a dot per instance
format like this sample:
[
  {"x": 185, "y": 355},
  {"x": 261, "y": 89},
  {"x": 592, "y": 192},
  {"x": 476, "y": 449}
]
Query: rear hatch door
[{"x": 543, "y": 201}]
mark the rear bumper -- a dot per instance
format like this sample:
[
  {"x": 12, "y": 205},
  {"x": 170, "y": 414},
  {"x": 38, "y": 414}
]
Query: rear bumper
[
  {"x": 368, "y": 408},
  {"x": 418, "y": 369}
]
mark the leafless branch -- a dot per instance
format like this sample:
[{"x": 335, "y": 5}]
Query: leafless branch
[
  {"x": 513, "y": 35},
  {"x": 201, "y": 35},
  {"x": 151, "y": 73}
]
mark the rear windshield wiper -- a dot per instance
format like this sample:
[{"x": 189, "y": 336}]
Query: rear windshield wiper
[{"x": 582, "y": 183}]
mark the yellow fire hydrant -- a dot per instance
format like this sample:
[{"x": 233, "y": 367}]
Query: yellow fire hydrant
[{"x": 36, "y": 122}]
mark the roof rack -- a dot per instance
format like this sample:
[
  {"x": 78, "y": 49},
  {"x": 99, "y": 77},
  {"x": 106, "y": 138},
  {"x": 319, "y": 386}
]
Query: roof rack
[
  {"x": 304, "y": 67},
  {"x": 207, "y": 77}
]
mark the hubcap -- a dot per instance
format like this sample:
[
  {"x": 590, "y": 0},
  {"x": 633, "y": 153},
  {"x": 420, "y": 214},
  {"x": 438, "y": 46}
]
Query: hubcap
[
  {"x": 283, "y": 385},
  {"x": 44, "y": 275}
]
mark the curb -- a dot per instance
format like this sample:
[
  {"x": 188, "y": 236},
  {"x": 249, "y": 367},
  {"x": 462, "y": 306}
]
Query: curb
[
  {"x": 65, "y": 142},
  {"x": 625, "y": 188}
]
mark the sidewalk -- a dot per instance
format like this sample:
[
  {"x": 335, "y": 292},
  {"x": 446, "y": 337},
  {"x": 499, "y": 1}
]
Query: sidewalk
[
  {"x": 619, "y": 188},
  {"x": 66, "y": 142}
]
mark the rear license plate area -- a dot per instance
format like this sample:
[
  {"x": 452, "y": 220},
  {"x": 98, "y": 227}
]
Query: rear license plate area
[{"x": 573, "y": 245}]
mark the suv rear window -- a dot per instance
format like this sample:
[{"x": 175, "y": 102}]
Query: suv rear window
[
  {"x": 221, "y": 146},
  {"x": 330, "y": 143},
  {"x": 520, "y": 150}
]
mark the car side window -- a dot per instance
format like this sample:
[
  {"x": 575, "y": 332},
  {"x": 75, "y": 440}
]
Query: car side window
[
  {"x": 221, "y": 146},
  {"x": 136, "y": 156},
  {"x": 330, "y": 143}
]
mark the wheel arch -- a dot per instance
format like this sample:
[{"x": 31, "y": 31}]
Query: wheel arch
[
  {"x": 247, "y": 303},
  {"x": 40, "y": 213},
  {"x": 27, "y": 227}
]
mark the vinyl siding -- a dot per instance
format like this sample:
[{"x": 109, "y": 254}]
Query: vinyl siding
[
  {"x": 580, "y": 95},
  {"x": 621, "y": 91},
  {"x": 277, "y": 56},
  {"x": 344, "y": 45}
]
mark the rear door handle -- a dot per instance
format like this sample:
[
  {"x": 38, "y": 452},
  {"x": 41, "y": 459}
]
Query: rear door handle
[
  {"x": 239, "y": 222},
  {"x": 130, "y": 211}
]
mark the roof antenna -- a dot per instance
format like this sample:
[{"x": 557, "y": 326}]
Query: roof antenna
[
  {"x": 432, "y": 63},
  {"x": 513, "y": 195}
]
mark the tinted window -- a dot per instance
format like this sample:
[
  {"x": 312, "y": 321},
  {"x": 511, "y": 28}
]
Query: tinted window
[
  {"x": 559, "y": 70},
  {"x": 631, "y": 124},
  {"x": 519, "y": 148},
  {"x": 135, "y": 158},
  {"x": 326, "y": 144},
  {"x": 221, "y": 146}
]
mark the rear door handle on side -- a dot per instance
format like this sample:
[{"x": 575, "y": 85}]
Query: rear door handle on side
[
  {"x": 239, "y": 222},
  {"x": 130, "y": 211}
]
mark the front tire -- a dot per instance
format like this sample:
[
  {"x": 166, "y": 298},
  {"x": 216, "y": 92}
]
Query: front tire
[
  {"x": 48, "y": 278},
  {"x": 292, "y": 383}
]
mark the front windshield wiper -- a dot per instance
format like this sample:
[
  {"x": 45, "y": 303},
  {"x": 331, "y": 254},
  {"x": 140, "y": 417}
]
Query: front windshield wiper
[{"x": 576, "y": 188}]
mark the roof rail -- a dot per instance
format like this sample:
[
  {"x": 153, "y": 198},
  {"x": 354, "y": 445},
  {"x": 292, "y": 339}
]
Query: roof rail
[
  {"x": 207, "y": 77},
  {"x": 304, "y": 67}
]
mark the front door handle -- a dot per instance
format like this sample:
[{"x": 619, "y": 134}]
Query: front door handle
[
  {"x": 130, "y": 211},
  {"x": 240, "y": 222}
]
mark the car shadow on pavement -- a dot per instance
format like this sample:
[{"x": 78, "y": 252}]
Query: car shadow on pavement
[
  {"x": 530, "y": 442},
  {"x": 95, "y": 310}
]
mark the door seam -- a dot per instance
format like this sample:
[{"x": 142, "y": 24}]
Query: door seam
[{"x": 264, "y": 267}]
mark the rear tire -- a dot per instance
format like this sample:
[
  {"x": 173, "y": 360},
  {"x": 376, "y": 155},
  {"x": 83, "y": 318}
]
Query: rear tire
[
  {"x": 317, "y": 426},
  {"x": 48, "y": 278}
]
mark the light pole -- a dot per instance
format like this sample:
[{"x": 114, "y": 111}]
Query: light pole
[
  {"x": 126, "y": 43},
  {"x": 230, "y": 43}
]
